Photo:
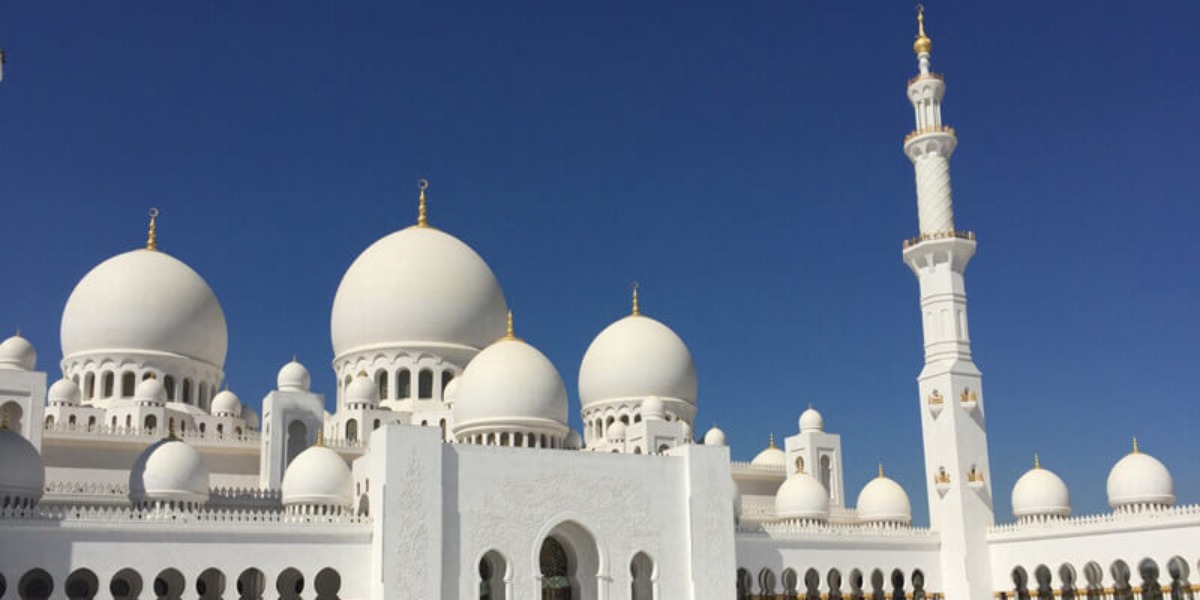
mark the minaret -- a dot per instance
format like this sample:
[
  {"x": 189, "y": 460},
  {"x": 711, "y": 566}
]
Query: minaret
[{"x": 951, "y": 396}]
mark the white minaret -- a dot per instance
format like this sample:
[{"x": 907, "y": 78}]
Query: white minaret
[{"x": 951, "y": 396}]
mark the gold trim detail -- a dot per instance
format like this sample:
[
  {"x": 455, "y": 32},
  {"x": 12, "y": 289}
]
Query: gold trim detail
[
  {"x": 941, "y": 235},
  {"x": 923, "y": 45}
]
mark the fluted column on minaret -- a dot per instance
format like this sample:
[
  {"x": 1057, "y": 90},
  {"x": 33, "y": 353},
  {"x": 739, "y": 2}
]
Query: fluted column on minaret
[{"x": 930, "y": 145}]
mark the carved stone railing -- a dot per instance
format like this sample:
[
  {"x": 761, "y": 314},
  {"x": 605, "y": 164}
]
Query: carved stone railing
[
  {"x": 247, "y": 437},
  {"x": 1137, "y": 516},
  {"x": 809, "y": 529},
  {"x": 738, "y": 465},
  {"x": 205, "y": 517}
]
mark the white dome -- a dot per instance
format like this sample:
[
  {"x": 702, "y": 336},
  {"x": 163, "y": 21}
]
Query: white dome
[
  {"x": 511, "y": 383},
  {"x": 150, "y": 391},
  {"x": 802, "y": 497},
  {"x": 417, "y": 286},
  {"x": 715, "y": 437},
  {"x": 637, "y": 357},
  {"x": 1139, "y": 478},
  {"x": 771, "y": 457},
  {"x": 293, "y": 377},
  {"x": 653, "y": 410},
  {"x": 226, "y": 404},
  {"x": 811, "y": 420},
  {"x": 169, "y": 470},
  {"x": 883, "y": 501},
  {"x": 616, "y": 431},
  {"x": 23, "y": 476},
  {"x": 64, "y": 391},
  {"x": 318, "y": 476},
  {"x": 1039, "y": 492},
  {"x": 144, "y": 300},
  {"x": 16, "y": 353},
  {"x": 362, "y": 390},
  {"x": 450, "y": 394}
]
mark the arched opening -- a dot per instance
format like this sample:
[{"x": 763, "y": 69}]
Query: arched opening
[
  {"x": 1094, "y": 575},
  {"x": 210, "y": 585},
  {"x": 1151, "y": 589},
  {"x": 493, "y": 569},
  {"x": 877, "y": 592},
  {"x": 812, "y": 584},
  {"x": 425, "y": 384},
  {"x": 826, "y": 472},
  {"x": 856, "y": 584},
  {"x": 1020, "y": 581},
  {"x": 126, "y": 584},
  {"x": 107, "y": 384},
  {"x": 89, "y": 386},
  {"x": 327, "y": 584},
  {"x": 128, "y": 382},
  {"x": 169, "y": 585},
  {"x": 381, "y": 382},
  {"x": 151, "y": 423},
  {"x": 351, "y": 430},
  {"x": 1177, "y": 570},
  {"x": 766, "y": 583},
  {"x": 35, "y": 585},
  {"x": 202, "y": 394},
  {"x": 790, "y": 583},
  {"x": 251, "y": 584},
  {"x": 744, "y": 584},
  {"x": 12, "y": 413},
  {"x": 641, "y": 569},
  {"x": 1066, "y": 575},
  {"x": 569, "y": 563},
  {"x": 187, "y": 391},
  {"x": 91, "y": 422},
  {"x": 833, "y": 580},
  {"x": 289, "y": 584},
  {"x": 297, "y": 439},
  {"x": 49, "y": 421},
  {"x": 82, "y": 584},
  {"x": 1045, "y": 589},
  {"x": 169, "y": 387},
  {"x": 1122, "y": 590},
  {"x": 404, "y": 384}
]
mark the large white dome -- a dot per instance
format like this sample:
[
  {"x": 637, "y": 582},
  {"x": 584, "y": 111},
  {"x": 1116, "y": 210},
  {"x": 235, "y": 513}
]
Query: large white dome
[
  {"x": 23, "y": 477},
  {"x": 802, "y": 497},
  {"x": 318, "y": 476},
  {"x": 883, "y": 501},
  {"x": 1040, "y": 492},
  {"x": 1139, "y": 479},
  {"x": 636, "y": 357},
  {"x": 169, "y": 470},
  {"x": 417, "y": 286},
  {"x": 512, "y": 384},
  {"x": 144, "y": 300}
]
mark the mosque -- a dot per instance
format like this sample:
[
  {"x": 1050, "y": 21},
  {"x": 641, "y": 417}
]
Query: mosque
[{"x": 136, "y": 475}]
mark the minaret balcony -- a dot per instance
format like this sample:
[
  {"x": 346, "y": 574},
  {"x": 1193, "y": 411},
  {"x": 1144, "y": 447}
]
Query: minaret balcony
[
  {"x": 930, "y": 129},
  {"x": 924, "y": 76},
  {"x": 940, "y": 235}
]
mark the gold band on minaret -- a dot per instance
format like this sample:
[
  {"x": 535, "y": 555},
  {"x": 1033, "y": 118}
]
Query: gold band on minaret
[
  {"x": 152, "y": 236},
  {"x": 636, "y": 310},
  {"x": 923, "y": 44},
  {"x": 422, "y": 220}
]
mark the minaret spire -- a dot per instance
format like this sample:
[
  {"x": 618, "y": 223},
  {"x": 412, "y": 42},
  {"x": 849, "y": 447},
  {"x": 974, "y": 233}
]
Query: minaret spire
[
  {"x": 422, "y": 219},
  {"x": 636, "y": 310},
  {"x": 152, "y": 235}
]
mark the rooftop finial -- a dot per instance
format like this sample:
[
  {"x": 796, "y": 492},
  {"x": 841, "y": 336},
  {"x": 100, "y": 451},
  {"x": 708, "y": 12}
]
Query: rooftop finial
[
  {"x": 422, "y": 221},
  {"x": 923, "y": 44},
  {"x": 636, "y": 310},
  {"x": 509, "y": 332},
  {"x": 881, "y": 470},
  {"x": 152, "y": 237},
  {"x": 1037, "y": 464},
  {"x": 772, "y": 441},
  {"x": 1135, "y": 448}
]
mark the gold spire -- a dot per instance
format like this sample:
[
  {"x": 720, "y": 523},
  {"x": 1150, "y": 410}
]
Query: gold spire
[
  {"x": 1037, "y": 464},
  {"x": 772, "y": 441},
  {"x": 636, "y": 310},
  {"x": 422, "y": 220},
  {"x": 152, "y": 238},
  {"x": 1135, "y": 448},
  {"x": 923, "y": 44},
  {"x": 880, "y": 470},
  {"x": 510, "y": 333}
]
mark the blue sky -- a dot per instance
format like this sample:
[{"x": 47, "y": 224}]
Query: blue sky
[{"x": 741, "y": 160}]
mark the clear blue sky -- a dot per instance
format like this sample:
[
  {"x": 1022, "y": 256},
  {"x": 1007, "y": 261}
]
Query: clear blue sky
[{"x": 741, "y": 159}]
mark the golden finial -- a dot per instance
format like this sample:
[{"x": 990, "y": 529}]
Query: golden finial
[
  {"x": 509, "y": 332},
  {"x": 771, "y": 441},
  {"x": 152, "y": 238},
  {"x": 923, "y": 44},
  {"x": 880, "y": 469},
  {"x": 636, "y": 310},
  {"x": 321, "y": 437},
  {"x": 1037, "y": 464},
  {"x": 422, "y": 221},
  {"x": 1135, "y": 448},
  {"x": 293, "y": 357}
]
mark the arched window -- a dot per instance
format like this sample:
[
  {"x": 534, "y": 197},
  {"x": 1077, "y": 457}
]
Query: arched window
[
  {"x": 169, "y": 584},
  {"x": 555, "y": 568},
  {"x": 89, "y": 385},
  {"x": 898, "y": 585},
  {"x": 187, "y": 391},
  {"x": 289, "y": 584},
  {"x": 71, "y": 420},
  {"x": 128, "y": 382},
  {"x": 425, "y": 384},
  {"x": 169, "y": 386},
  {"x": 126, "y": 584},
  {"x": 202, "y": 394},
  {"x": 128, "y": 421},
  {"x": 788, "y": 580},
  {"x": 812, "y": 584},
  {"x": 106, "y": 384},
  {"x": 1020, "y": 579},
  {"x": 327, "y": 584},
  {"x": 91, "y": 422},
  {"x": 381, "y": 381},
  {"x": 210, "y": 585},
  {"x": 1122, "y": 590},
  {"x": 151, "y": 423},
  {"x": 1151, "y": 589},
  {"x": 492, "y": 568},
  {"x": 1045, "y": 590},
  {"x": 826, "y": 472},
  {"x": 297, "y": 439},
  {"x": 641, "y": 569},
  {"x": 49, "y": 421},
  {"x": 352, "y": 430},
  {"x": 744, "y": 584},
  {"x": 35, "y": 584},
  {"x": 404, "y": 384},
  {"x": 251, "y": 583}
]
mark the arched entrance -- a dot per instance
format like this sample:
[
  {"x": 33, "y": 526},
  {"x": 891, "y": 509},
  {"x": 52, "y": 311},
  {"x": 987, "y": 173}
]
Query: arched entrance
[
  {"x": 641, "y": 570},
  {"x": 493, "y": 570},
  {"x": 569, "y": 563}
]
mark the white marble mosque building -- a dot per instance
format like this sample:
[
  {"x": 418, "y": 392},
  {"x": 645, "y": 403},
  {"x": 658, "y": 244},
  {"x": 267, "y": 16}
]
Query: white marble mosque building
[{"x": 135, "y": 475}]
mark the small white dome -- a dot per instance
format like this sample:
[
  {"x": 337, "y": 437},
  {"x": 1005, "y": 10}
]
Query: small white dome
[
  {"x": 150, "y": 391},
  {"x": 1039, "y": 492},
  {"x": 318, "y": 477},
  {"x": 511, "y": 384},
  {"x": 23, "y": 477},
  {"x": 1139, "y": 478},
  {"x": 636, "y": 357},
  {"x": 169, "y": 470},
  {"x": 16, "y": 353},
  {"x": 65, "y": 392},
  {"x": 616, "y": 431},
  {"x": 653, "y": 409},
  {"x": 226, "y": 404},
  {"x": 811, "y": 420},
  {"x": 293, "y": 377},
  {"x": 883, "y": 501},
  {"x": 418, "y": 286},
  {"x": 144, "y": 300},
  {"x": 362, "y": 390},
  {"x": 715, "y": 437},
  {"x": 802, "y": 497},
  {"x": 450, "y": 394},
  {"x": 770, "y": 457}
]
